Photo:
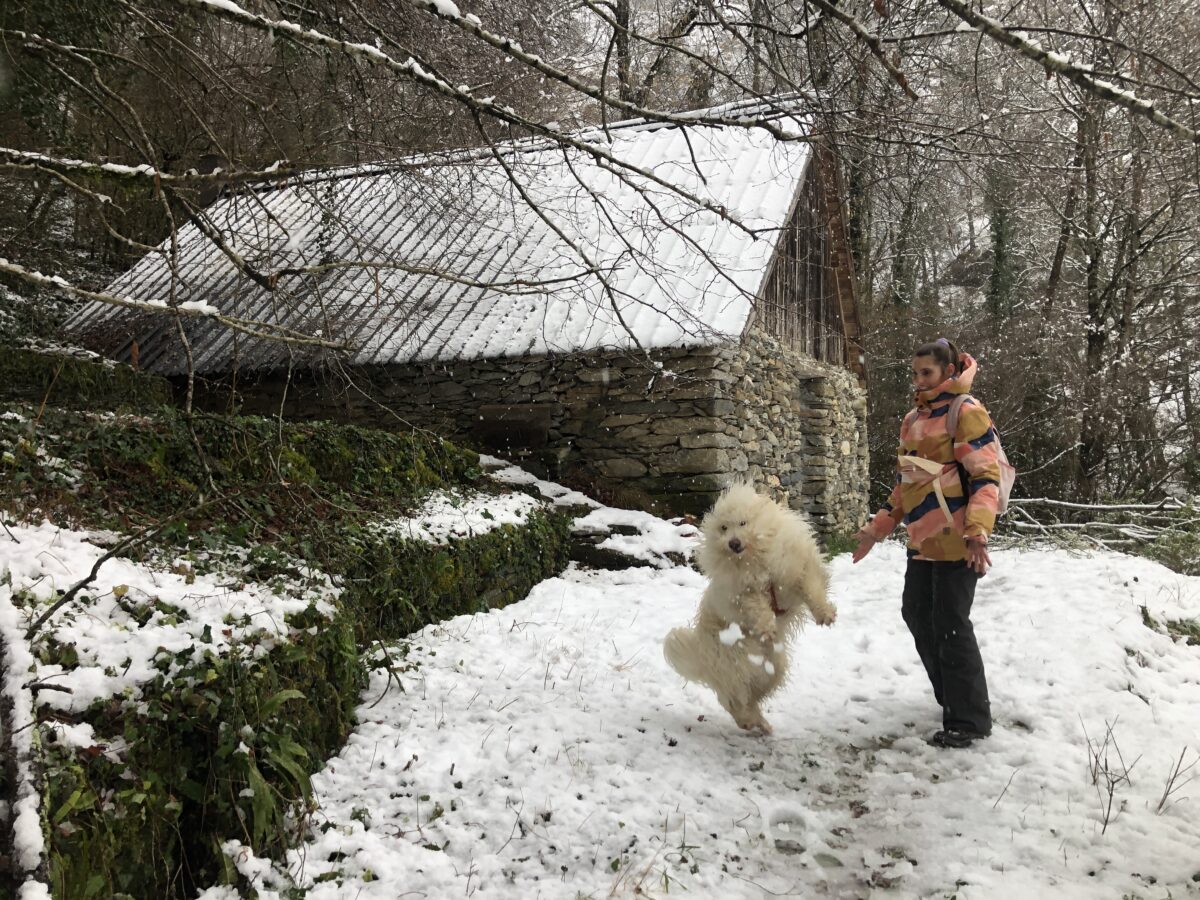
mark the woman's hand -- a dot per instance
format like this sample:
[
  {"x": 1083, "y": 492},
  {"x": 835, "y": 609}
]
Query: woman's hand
[
  {"x": 977, "y": 554},
  {"x": 865, "y": 543}
]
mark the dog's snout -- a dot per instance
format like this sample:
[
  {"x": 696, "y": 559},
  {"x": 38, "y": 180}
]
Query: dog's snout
[{"x": 735, "y": 545}]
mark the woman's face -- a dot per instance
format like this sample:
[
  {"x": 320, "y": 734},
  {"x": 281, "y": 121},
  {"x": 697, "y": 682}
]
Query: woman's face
[{"x": 929, "y": 373}]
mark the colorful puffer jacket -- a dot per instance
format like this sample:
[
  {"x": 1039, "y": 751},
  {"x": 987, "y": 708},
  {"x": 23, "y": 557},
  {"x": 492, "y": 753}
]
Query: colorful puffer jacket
[{"x": 931, "y": 535}]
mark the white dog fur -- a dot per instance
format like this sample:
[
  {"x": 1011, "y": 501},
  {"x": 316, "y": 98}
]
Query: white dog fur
[{"x": 752, "y": 547}]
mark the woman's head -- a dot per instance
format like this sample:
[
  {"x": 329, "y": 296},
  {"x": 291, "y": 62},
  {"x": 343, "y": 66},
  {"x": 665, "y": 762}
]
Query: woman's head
[{"x": 933, "y": 363}]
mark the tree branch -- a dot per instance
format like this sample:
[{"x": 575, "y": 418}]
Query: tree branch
[{"x": 1062, "y": 65}]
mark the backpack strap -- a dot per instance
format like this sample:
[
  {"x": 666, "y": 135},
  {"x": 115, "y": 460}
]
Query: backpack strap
[
  {"x": 956, "y": 405},
  {"x": 952, "y": 415}
]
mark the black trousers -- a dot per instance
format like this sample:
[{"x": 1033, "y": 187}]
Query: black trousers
[{"x": 937, "y": 610}]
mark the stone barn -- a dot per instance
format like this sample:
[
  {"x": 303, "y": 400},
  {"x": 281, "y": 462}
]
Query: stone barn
[{"x": 645, "y": 310}]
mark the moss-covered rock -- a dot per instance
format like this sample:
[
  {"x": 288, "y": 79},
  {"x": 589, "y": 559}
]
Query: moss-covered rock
[{"x": 400, "y": 586}]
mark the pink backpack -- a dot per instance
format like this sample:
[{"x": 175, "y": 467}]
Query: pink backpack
[{"x": 1008, "y": 474}]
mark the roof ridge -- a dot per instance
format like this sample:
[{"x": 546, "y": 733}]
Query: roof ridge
[{"x": 781, "y": 106}]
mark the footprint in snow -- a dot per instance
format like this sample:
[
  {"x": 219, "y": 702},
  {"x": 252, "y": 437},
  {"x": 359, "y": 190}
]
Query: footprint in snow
[{"x": 787, "y": 826}]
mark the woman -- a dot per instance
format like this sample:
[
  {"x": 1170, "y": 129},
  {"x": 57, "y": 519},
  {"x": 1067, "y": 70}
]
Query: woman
[{"x": 947, "y": 491}]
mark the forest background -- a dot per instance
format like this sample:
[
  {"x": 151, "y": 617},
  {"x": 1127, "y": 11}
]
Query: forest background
[{"x": 1020, "y": 178}]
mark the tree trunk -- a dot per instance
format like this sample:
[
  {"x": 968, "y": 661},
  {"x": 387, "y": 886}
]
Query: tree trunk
[
  {"x": 625, "y": 89},
  {"x": 1092, "y": 433},
  {"x": 1066, "y": 229}
]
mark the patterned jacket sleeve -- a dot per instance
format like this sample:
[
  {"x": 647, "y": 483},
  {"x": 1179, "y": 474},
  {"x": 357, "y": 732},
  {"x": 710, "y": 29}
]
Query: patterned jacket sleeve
[
  {"x": 891, "y": 513},
  {"x": 975, "y": 450}
]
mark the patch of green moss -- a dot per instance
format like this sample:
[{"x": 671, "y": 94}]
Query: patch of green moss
[
  {"x": 56, "y": 379},
  {"x": 1187, "y": 630},
  {"x": 400, "y": 586}
]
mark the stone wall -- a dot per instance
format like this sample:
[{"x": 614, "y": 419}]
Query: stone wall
[
  {"x": 803, "y": 427},
  {"x": 665, "y": 434}
]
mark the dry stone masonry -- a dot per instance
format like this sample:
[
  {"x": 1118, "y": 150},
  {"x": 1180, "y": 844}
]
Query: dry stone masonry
[{"x": 664, "y": 433}]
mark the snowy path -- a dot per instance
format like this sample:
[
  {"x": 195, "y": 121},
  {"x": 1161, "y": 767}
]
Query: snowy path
[{"x": 545, "y": 750}]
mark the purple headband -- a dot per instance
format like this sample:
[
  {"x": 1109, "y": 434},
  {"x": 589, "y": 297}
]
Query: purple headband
[{"x": 943, "y": 342}]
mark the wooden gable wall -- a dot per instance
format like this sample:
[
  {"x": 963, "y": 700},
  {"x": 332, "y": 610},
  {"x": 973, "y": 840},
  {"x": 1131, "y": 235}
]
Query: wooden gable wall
[{"x": 808, "y": 299}]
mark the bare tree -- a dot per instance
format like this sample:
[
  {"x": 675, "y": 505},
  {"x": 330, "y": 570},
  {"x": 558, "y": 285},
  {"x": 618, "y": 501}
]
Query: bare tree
[{"x": 1025, "y": 180}]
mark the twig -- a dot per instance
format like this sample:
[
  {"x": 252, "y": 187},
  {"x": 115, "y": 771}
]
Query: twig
[
  {"x": 45, "y": 397},
  {"x": 1003, "y": 792},
  {"x": 1173, "y": 784},
  {"x": 84, "y": 582},
  {"x": 390, "y": 665},
  {"x": 35, "y": 686},
  {"x": 1100, "y": 768},
  {"x": 133, "y": 540}
]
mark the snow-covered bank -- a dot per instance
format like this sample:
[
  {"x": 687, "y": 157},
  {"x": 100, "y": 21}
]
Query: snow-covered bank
[
  {"x": 123, "y": 627},
  {"x": 545, "y": 750},
  {"x": 132, "y": 624},
  {"x": 447, "y": 516}
]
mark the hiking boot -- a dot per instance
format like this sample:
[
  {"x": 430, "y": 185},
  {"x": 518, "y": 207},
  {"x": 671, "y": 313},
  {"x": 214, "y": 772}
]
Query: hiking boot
[{"x": 955, "y": 737}]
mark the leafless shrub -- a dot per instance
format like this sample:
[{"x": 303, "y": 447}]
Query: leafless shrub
[{"x": 1107, "y": 769}]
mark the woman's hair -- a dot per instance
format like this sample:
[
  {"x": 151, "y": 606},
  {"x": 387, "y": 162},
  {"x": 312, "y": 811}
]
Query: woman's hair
[{"x": 941, "y": 350}]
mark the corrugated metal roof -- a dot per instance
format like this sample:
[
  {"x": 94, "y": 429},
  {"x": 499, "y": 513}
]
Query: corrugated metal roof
[{"x": 453, "y": 259}]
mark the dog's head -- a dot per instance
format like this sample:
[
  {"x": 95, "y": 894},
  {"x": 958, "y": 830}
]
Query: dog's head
[{"x": 737, "y": 528}]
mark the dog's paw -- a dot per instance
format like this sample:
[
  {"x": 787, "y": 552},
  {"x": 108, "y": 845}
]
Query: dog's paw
[
  {"x": 826, "y": 615},
  {"x": 758, "y": 726},
  {"x": 766, "y": 636}
]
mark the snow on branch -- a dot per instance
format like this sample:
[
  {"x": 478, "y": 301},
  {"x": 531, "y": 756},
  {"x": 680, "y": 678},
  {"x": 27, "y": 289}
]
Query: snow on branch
[
  {"x": 485, "y": 106},
  {"x": 472, "y": 25},
  {"x": 24, "y": 160},
  {"x": 194, "y": 309},
  {"x": 1118, "y": 525},
  {"x": 1062, "y": 65}
]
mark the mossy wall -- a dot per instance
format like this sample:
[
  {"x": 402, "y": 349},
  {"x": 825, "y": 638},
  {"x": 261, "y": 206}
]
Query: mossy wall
[
  {"x": 57, "y": 379},
  {"x": 400, "y": 586},
  {"x": 223, "y": 749},
  {"x": 263, "y": 481},
  {"x": 150, "y": 823}
]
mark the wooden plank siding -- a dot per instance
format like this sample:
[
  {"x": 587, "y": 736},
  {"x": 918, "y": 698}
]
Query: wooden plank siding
[{"x": 808, "y": 299}]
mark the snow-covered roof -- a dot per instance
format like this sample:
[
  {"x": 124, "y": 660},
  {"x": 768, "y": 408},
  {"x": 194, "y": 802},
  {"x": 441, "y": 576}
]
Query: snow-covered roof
[{"x": 536, "y": 249}]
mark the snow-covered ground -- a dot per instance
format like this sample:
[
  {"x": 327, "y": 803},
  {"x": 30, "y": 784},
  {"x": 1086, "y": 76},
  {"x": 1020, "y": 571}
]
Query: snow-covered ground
[
  {"x": 446, "y": 516},
  {"x": 546, "y": 750}
]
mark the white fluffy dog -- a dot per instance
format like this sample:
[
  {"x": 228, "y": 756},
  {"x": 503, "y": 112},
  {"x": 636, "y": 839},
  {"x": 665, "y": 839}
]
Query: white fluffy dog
[{"x": 766, "y": 573}]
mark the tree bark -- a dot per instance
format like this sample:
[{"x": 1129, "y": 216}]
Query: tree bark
[
  {"x": 625, "y": 88},
  {"x": 1066, "y": 229},
  {"x": 1092, "y": 433}
]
